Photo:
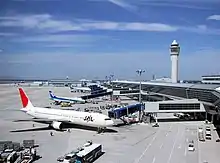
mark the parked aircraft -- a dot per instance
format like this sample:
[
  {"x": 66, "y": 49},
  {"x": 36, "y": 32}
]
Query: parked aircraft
[
  {"x": 80, "y": 89},
  {"x": 57, "y": 118},
  {"x": 59, "y": 100}
]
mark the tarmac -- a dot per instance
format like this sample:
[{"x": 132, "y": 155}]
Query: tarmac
[{"x": 136, "y": 143}]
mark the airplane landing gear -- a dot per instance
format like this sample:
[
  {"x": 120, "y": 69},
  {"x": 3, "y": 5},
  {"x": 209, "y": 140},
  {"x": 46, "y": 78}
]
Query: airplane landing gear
[
  {"x": 51, "y": 134},
  {"x": 100, "y": 130}
]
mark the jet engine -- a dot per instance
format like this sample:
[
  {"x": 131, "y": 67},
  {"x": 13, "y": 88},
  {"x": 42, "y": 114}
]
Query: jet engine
[{"x": 57, "y": 125}]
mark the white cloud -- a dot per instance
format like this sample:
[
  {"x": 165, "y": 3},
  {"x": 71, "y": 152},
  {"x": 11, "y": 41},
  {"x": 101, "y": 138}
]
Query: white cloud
[
  {"x": 175, "y": 4},
  {"x": 47, "y": 22},
  {"x": 149, "y": 27},
  {"x": 57, "y": 38},
  {"x": 7, "y": 34},
  {"x": 123, "y": 4},
  {"x": 171, "y": 1},
  {"x": 39, "y": 21},
  {"x": 214, "y": 17},
  {"x": 133, "y": 5},
  {"x": 201, "y": 29},
  {"x": 100, "y": 25}
]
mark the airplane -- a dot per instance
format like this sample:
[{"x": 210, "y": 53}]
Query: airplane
[
  {"x": 59, "y": 100},
  {"x": 80, "y": 89},
  {"x": 57, "y": 118}
]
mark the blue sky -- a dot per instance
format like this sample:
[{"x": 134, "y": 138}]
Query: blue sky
[{"x": 95, "y": 38}]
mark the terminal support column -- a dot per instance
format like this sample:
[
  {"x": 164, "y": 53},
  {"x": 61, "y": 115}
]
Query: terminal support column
[
  {"x": 140, "y": 101},
  {"x": 212, "y": 118},
  {"x": 206, "y": 116}
]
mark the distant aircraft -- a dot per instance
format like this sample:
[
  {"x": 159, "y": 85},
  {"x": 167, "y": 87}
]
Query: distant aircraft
[
  {"x": 80, "y": 89},
  {"x": 57, "y": 118},
  {"x": 59, "y": 100}
]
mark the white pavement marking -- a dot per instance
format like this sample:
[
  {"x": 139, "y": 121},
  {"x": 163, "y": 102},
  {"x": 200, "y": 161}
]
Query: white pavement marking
[
  {"x": 153, "y": 160},
  {"x": 199, "y": 158},
  {"x": 180, "y": 138},
  {"x": 173, "y": 145},
  {"x": 166, "y": 134},
  {"x": 161, "y": 145},
  {"x": 139, "y": 159},
  {"x": 170, "y": 127},
  {"x": 185, "y": 152}
]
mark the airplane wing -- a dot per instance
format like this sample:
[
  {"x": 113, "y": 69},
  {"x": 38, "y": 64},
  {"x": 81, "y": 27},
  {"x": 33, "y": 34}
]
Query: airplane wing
[{"x": 40, "y": 120}]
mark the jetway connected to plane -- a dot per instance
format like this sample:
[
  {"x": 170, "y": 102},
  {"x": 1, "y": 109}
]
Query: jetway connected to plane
[{"x": 126, "y": 110}]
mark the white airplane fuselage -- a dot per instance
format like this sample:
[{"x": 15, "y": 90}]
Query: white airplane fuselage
[
  {"x": 56, "y": 118},
  {"x": 75, "y": 117},
  {"x": 68, "y": 100}
]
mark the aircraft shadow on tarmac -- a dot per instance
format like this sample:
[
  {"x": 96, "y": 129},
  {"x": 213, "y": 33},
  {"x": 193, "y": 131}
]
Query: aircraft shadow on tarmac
[
  {"x": 66, "y": 126},
  {"x": 124, "y": 124},
  {"x": 38, "y": 157}
]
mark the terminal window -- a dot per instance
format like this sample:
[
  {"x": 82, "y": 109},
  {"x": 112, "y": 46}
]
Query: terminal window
[
  {"x": 193, "y": 106},
  {"x": 211, "y": 78}
]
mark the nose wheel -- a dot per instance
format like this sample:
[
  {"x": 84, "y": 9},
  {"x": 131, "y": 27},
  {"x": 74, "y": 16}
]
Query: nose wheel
[{"x": 100, "y": 130}]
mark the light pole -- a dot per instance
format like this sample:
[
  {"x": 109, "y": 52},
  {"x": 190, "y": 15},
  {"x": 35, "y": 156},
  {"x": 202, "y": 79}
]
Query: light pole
[
  {"x": 111, "y": 78},
  {"x": 139, "y": 72}
]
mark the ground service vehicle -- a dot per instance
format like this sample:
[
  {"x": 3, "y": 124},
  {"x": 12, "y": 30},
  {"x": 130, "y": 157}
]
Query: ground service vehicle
[
  {"x": 12, "y": 157},
  {"x": 201, "y": 134},
  {"x": 191, "y": 146},
  {"x": 71, "y": 157},
  {"x": 89, "y": 153}
]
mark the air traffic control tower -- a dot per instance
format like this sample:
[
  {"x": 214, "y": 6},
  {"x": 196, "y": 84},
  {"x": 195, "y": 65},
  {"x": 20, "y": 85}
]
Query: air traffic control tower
[{"x": 174, "y": 54}]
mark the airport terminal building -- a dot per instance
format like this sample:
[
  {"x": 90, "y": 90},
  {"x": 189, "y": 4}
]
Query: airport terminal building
[
  {"x": 176, "y": 97},
  {"x": 171, "y": 96}
]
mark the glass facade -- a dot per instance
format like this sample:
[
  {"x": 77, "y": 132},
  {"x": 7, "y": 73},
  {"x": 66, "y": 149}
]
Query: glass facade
[
  {"x": 129, "y": 91},
  {"x": 192, "y": 106},
  {"x": 174, "y": 49},
  {"x": 213, "y": 79},
  {"x": 206, "y": 95}
]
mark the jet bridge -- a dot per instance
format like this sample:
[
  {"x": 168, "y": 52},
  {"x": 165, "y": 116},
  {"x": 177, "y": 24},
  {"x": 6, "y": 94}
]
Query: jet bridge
[{"x": 123, "y": 111}]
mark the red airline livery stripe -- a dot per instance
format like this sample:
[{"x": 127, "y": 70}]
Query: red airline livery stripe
[{"x": 24, "y": 98}]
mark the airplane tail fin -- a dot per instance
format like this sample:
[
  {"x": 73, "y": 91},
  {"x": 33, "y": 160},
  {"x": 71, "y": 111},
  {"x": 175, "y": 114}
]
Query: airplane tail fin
[
  {"x": 26, "y": 103},
  {"x": 51, "y": 94}
]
